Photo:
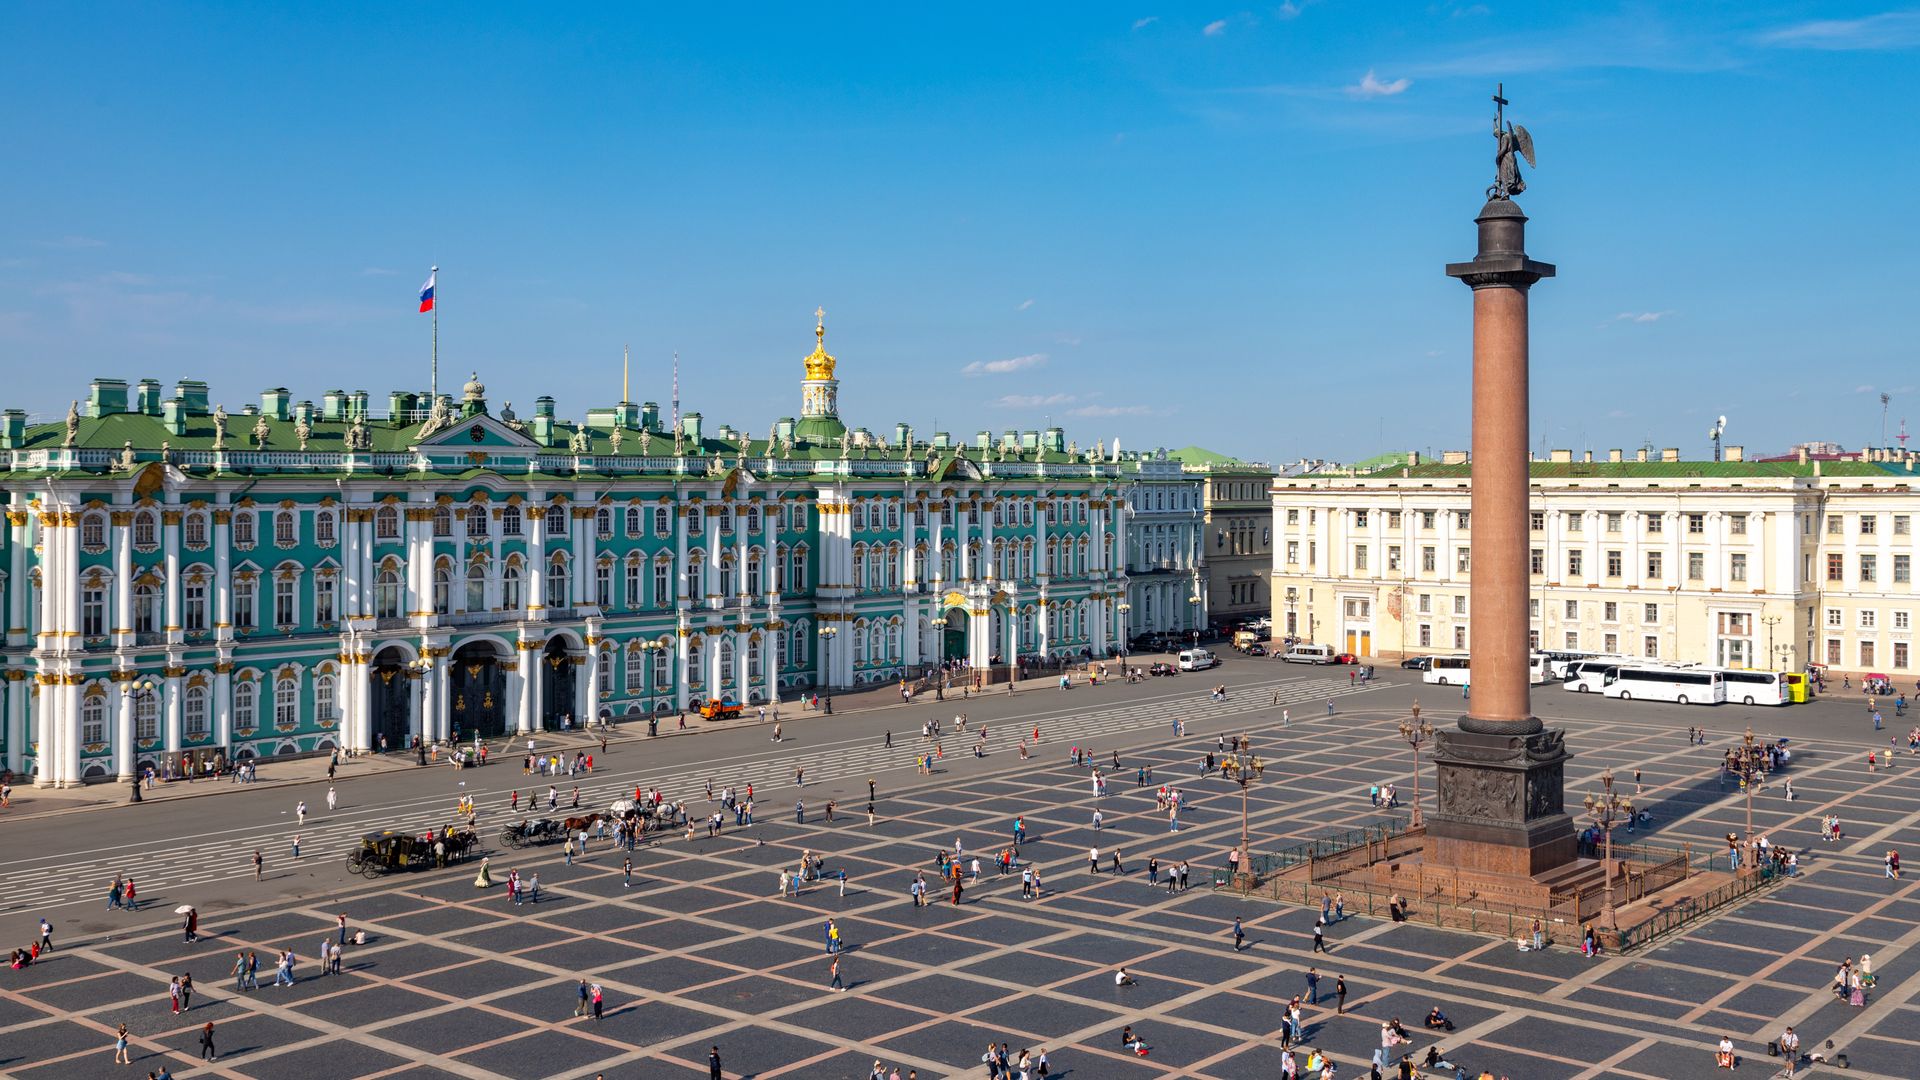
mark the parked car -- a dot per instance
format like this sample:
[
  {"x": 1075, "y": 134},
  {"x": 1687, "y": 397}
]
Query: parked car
[
  {"x": 1162, "y": 668},
  {"x": 1255, "y": 649},
  {"x": 1345, "y": 658},
  {"x": 1416, "y": 663}
]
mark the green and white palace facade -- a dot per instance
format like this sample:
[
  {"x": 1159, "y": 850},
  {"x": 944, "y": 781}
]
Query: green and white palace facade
[{"x": 288, "y": 578}]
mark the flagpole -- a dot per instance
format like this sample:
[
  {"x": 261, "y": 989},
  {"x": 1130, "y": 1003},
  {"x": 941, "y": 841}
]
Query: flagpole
[{"x": 433, "y": 388}]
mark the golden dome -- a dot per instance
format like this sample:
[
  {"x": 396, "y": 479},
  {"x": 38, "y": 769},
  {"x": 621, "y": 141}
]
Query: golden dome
[{"x": 819, "y": 364}]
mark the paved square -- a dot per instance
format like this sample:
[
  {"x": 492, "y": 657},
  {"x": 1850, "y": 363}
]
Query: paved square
[{"x": 456, "y": 981}]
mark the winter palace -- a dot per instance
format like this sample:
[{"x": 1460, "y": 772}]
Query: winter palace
[{"x": 292, "y": 577}]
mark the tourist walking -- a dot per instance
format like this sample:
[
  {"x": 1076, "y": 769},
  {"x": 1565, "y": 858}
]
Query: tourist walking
[
  {"x": 120, "y": 1056},
  {"x": 206, "y": 1043}
]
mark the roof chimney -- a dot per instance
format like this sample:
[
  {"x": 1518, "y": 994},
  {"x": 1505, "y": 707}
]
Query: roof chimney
[
  {"x": 1561, "y": 455},
  {"x": 1614, "y": 456},
  {"x": 1640, "y": 454},
  {"x": 1736, "y": 453},
  {"x": 1671, "y": 453},
  {"x": 1587, "y": 457}
]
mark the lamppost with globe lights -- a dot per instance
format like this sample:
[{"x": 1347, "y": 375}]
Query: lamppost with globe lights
[
  {"x": 1417, "y": 733},
  {"x": 1606, "y": 811},
  {"x": 827, "y": 634},
  {"x": 1193, "y": 602},
  {"x": 1245, "y": 768},
  {"x": 648, "y": 649},
  {"x": 1750, "y": 767},
  {"x": 138, "y": 691},
  {"x": 1125, "y": 642},
  {"x": 421, "y": 668}
]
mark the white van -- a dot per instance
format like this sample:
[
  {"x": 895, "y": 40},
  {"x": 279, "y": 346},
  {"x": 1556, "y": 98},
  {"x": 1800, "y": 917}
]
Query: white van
[
  {"x": 1198, "y": 660},
  {"x": 1310, "y": 654}
]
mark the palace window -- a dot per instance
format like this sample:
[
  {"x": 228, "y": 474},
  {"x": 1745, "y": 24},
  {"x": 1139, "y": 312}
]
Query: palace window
[
  {"x": 1536, "y": 521},
  {"x": 442, "y": 590},
  {"x": 662, "y": 584},
  {"x": 325, "y": 588},
  {"x": 243, "y": 529},
  {"x": 510, "y": 520},
  {"x": 194, "y": 600},
  {"x": 1460, "y": 605},
  {"x": 1610, "y": 611},
  {"x": 557, "y": 583},
  {"x": 442, "y": 521},
  {"x": 286, "y": 704},
  {"x": 635, "y": 522},
  {"x": 557, "y": 520},
  {"x": 1737, "y": 566},
  {"x": 286, "y": 607},
  {"x": 603, "y": 584},
  {"x": 1836, "y": 566},
  {"x": 1571, "y": 610},
  {"x": 1869, "y": 524},
  {"x": 93, "y": 533},
  {"x": 386, "y": 523},
  {"x": 1737, "y": 524},
  {"x": 662, "y": 672},
  {"x": 195, "y": 531},
  {"x": 1696, "y": 524},
  {"x": 1869, "y": 619},
  {"x": 603, "y": 523},
  {"x": 1696, "y": 565},
  {"x": 1902, "y": 569},
  {"x": 93, "y": 612},
  {"x": 1869, "y": 569},
  {"x": 323, "y": 698},
  {"x": 146, "y": 717},
  {"x": 1576, "y": 562},
  {"x": 635, "y": 586},
  {"x": 1652, "y": 614},
  {"x": 323, "y": 531},
  {"x": 146, "y": 530},
  {"x": 636, "y": 672},
  {"x": 1463, "y": 561},
  {"x": 1650, "y": 647},
  {"x": 243, "y": 604},
  {"x": 1537, "y": 561},
  {"x": 477, "y": 521},
  {"x": 386, "y": 595},
  {"x": 244, "y": 693},
  {"x": 1656, "y": 523},
  {"x": 286, "y": 528},
  {"x": 662, "y": 521},
  {"x": 93, "y": 720},
  {"x": 1656, "y": 565},
  {"x": 1613, "y": 521},
  {"x": 1393, "y": 558},
  {"x": 1427, "y": 560},
  {"x": 476, "y": 587}
]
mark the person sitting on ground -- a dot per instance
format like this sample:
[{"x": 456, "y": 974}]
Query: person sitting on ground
[
  {"x": 1123, "y": 978},
  {"x": 1438, "y": 1021}
]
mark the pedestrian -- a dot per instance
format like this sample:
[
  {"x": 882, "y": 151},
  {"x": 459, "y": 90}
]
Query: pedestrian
[
  {"x": 599, "y": 1000},
  {"x": 585, "y": 995},
  {"x": 836, "y": 984},
  {"x": 1093, "y": 861},
  {"x": 259, "y": 863},
  {"x": 114, "y": 894},
  {"x": 206, "y": 1043},
  {"x": 713, "y": 1060},
  {"x": 1313, "y": 986},
  {"x": 1239, "y": 935},
  {"x": 46, "y": 935},
  {"x": 120, "y": 1056},
  {"x": 253, "y": 970},
  {"x": 186, "y": 990},
  {"x": 626, "y": 872},
  {"x": 1319, "y": 939},
  {"x": 341, "y": 919},
  {"x": 300, "y": 813},
  {"x": 173, "y": 993},
  {"x": 1339, "y": 994},
  {"x": 332, "y": 800},
  {"x": 296, "y": 845}
]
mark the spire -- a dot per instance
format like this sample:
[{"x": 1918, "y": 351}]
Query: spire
[{"x": 626, "y": 361}]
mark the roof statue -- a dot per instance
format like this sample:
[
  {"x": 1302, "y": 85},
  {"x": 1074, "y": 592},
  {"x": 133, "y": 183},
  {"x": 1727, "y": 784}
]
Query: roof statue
[
  {"x": 580, "y": 443},
  {"x": 616, "y": 438},
  {"x": 73, "y": 425},
  {"x": 437, "y": 418},
  {"x": 1510, "y": 140},
  {"x": 646, "y": 441},
  {"x": 219, "y": 427},
  {"x": 358, "y": 437},
  {"x": 262, "y": 434},
  {"x": 126, "y": 456},
  {"x": 302, "y": 431},
  {"x": 679, "y": 443}
]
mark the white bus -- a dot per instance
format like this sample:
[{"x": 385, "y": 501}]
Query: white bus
[
  {"x": 1750, "y": 687},
  {"x": 1449, "y": 670},
  {"x": 1559, "y": 660},
  {"x": 1682, "y": 686},
  {"x": 1589, "y": 676}
]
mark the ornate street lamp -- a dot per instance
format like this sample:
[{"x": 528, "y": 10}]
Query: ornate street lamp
[
  {"x": 827, "y": 634},
  {"x": 1750, "y": 765},
  {"x": 1416, "y": 732},
  {"x": 137, "y": 691},
  {"x": 1606, "y": 811},
  {"x": 1245, "y": 767}
]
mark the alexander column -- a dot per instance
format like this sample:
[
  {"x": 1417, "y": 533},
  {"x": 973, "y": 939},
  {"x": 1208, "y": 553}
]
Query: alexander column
[{"x": 1500, "y": 774}]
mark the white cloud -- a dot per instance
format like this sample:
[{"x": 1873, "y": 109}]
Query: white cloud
[
  {"x": 1887, "y": 31},
  {"x": 71, "y": 242},
  {"x": 378, "y": 271},
  {"x": 1003, "y": 367},
  {"x": 1142, "y": 24},
  {"x": 1215, "y": 28},
  {"x": 1034, "y": 401},
  {"x": 1641, "y": 316},
  {"x": 1863, "y": 388},
  {"x": 1024, "y": 304},
  {"x": 1370, "y": 86},
  {"x": 1110, "y": 410},
  {"x": 1289, "y": 10},
  {"x": 1618, "y": 414}
]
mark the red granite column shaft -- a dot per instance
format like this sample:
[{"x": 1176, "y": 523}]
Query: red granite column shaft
[{"x": 1500, "y": 571}]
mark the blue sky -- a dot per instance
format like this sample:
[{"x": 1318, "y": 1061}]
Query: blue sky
[{"x": 1172, "y": 224}]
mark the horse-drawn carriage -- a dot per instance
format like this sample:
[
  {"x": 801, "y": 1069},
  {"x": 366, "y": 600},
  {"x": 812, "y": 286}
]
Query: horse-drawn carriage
[
  {"x": 546, "y": 830},
  {"x": 384, "y": 852}
]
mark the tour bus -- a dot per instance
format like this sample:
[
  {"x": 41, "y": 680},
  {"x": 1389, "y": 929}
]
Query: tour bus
[
  {"x": 1302, "y": 653},
  {"x": 1449, "y": 670},
  {"x": 1558, "y": 660},
  {"x": 1750, "y": 687},
  {"x": 1590, "y": 676},
  {"x": 1682, "y": 686}
]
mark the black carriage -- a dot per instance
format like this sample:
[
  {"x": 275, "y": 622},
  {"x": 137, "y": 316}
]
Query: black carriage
[
  {"x": 385, "y": 852},
  {"x": 536, "y": 831}
]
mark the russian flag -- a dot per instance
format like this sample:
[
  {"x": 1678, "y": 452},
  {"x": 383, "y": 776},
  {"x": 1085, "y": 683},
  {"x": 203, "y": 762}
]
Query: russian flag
[{"x": 426, "y": 291}]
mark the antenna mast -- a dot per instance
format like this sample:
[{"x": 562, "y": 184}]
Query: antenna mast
[{"x": 676, "y": 390}]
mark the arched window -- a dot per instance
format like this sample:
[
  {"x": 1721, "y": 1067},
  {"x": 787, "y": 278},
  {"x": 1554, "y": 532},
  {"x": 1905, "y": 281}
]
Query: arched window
[
  {"x": 603, "y": 523},
  {"x": 194, "y": 531},
  {"x": 243, "y": 529},
  {"x": 323, "y": 533},
  {"x": 146, "y": 530},
  {"x": 93, "y": 532},
  {"x": 557, "y": 519},
  {"x": 797, "y": 569},
  {"x": 753, "y": 660},
  {"x": 726, "y": 575},
  {"x": 860, "y": 566},
  {"x": 797, "y": 647},
  {"x": 93, "y": 611},
  {"x": 662, "y": 521},
  {"x": 510, "y": 587},
  {"x": 608, "y": 660},
  {"x": 557, "y": 581},
  {"x": 442, "y": 521},
  {"x": 636, "y": 668},
  {"x": 663, "y": 582},
  {"x": 696, "y": 669},
  {"x": 859, "y": 643},
  {"x": 386, "y": 594},
  {"x": 510, "y": 520},
  {"x": 386, "y": 523},
  {"x": 244, "y": 693},
  {"x": 634, "y": 522},
  {"x": 197, "y": 714},
  {"x": 603, "y": 583},
  {"x": 780, "y": 568},
  {"x": 726, "y": 662},
  {"x": 442, "y": 589},
  {"x": 477, "y": 520},
  {"x": 146, "y": 609},
  {"x": 476, "y": 586},
  {"x": 146, "y": 717},
  {"x": 662, "y": 671},
  {"x": 93, "y": 719},
  {"x": 286, "y": 528},
  {"x": 286, "y": 704}
]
